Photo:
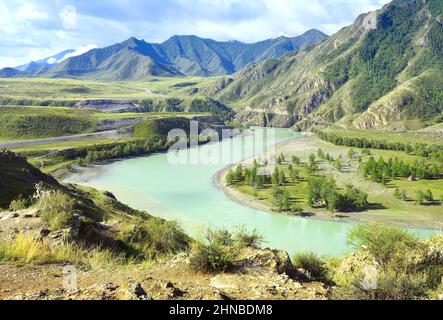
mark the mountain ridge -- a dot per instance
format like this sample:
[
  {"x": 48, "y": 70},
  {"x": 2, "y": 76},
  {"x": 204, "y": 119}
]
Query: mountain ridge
[
  {"x": 44, "y": 63},
  {"x": 190, "y": 55}
]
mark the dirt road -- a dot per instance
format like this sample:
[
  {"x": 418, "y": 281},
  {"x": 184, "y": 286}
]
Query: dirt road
[{"x": 112, "y": 134}]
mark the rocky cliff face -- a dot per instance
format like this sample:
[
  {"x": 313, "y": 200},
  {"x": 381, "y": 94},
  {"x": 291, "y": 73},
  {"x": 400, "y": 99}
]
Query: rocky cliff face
[
  {"x": 114, "y": 106},
  {"x": 265, "y": 119}
]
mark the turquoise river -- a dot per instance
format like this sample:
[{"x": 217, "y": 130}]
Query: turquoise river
[{"x": 187, "y": 193}]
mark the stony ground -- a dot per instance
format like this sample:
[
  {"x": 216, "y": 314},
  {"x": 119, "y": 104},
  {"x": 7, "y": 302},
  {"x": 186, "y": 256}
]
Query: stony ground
[
  {"x": 171, "y": 280},
  {"x": 260, "y": 274}
]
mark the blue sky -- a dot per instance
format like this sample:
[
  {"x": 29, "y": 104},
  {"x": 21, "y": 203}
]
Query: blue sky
[{"x": 32, "y": 30}]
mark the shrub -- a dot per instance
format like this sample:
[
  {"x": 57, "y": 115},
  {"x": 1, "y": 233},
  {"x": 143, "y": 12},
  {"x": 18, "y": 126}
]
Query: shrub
[
  {"x": 20, "y": 203},
  {"x": 155, "y": 238},
  {"x": 406, "y": 267},
  {"x": 388, "y": 245},
  {"x": 313, "y": 264},
  {"x": 351, "y": 153},
  {"x": 230, "y": 177},
  {"x": 243, "y": 238},
  {"x": 424, "y": 197},
  {"x": 356, "y": 198},
  {"x": 57, "y": 209},
  {"x": 296, "y": 209},
  {"x": 211, "y": 259},
  {"x": 218, "y": 254},
  {"x": 220, "y": 237},
  {"x": 400, "y": 194},
  {"x": 390, "y": 286}
]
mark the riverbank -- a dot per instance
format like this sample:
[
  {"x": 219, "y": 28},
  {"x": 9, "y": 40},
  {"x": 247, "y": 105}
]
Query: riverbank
[
  {"x": 387, "y": 211},
  {"x": 89, "y": 170}
]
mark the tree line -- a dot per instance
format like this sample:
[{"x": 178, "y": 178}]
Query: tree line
[
  {"x": 322, "y": 191},
  {"x": 129, "y": 149},
  {"x": 433, "y": 151},
  {"x": 381, "y": 171},
  {"x": 422, "y": 198}
]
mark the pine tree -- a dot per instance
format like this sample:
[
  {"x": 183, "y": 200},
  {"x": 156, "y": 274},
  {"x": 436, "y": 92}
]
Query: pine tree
[
  {"x": 338, "y": 165},
  {"x": 296, "y": 160},
  {"x": 275, "y": 176},
  {"x": 239, "y": 173},
  {"x": 397, "y": 193},
  {"x": 351, "y": 154},
  {"x": 230, "y": 177},
  {"x": 282, "y": 157},
  {"x": 281, "y": 178}
]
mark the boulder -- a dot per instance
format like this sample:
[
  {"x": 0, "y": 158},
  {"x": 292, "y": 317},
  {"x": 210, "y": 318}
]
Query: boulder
[
  {"x": 136, "y": 292},
  {"x": 274, "y": 260},
  {"x": 44, "y": 232},
  {"x": 353, "y": 266}
]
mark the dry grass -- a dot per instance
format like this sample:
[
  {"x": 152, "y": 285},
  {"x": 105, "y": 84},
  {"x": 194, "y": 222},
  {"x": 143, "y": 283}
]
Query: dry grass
[{"x": 25, "y": 249}]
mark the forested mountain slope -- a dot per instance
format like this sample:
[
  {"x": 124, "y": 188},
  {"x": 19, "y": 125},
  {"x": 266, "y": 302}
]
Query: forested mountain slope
[{"x": 384, "y": 69}]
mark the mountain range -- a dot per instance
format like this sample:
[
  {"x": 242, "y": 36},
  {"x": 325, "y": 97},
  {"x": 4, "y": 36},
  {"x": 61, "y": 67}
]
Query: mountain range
[
  {"x": 381, "y": 72},
  {"x": 384, "y": 71},
  {"x": 48, "y": 62},
  {"x": 136, "y": 59}
]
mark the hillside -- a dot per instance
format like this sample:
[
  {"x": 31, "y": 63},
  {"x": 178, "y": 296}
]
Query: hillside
[
  {"x": 129, "y": 60},
  {"x": 180, "y": 55},
  {"x": 385, "y": 68},
  {"x": 18, "y": 178},
  {"x": 119, "y": 252},
  {"x": 22, "y": 122}
]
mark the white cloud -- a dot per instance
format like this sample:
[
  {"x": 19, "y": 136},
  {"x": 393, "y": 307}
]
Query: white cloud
[
  {"x": 28, "y": 11},
  {"x": 6, "y": 62},
  {"x": 79, "y": 51},
  {"x": 33, "y": 30},
  {"x": 51, "y": 61}
]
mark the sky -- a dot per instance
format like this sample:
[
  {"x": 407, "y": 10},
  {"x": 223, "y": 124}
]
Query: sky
[{"x": 31, "y": 30}]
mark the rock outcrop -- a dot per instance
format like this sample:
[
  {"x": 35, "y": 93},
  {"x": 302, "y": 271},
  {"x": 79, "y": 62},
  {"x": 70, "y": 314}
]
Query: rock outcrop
[{"x": 114, "y": 106}]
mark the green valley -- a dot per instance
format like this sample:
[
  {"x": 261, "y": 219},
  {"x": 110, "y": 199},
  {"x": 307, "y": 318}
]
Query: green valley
[
  {"x": 277, "y": 167},
  {"x": 41, "y": 91}
]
